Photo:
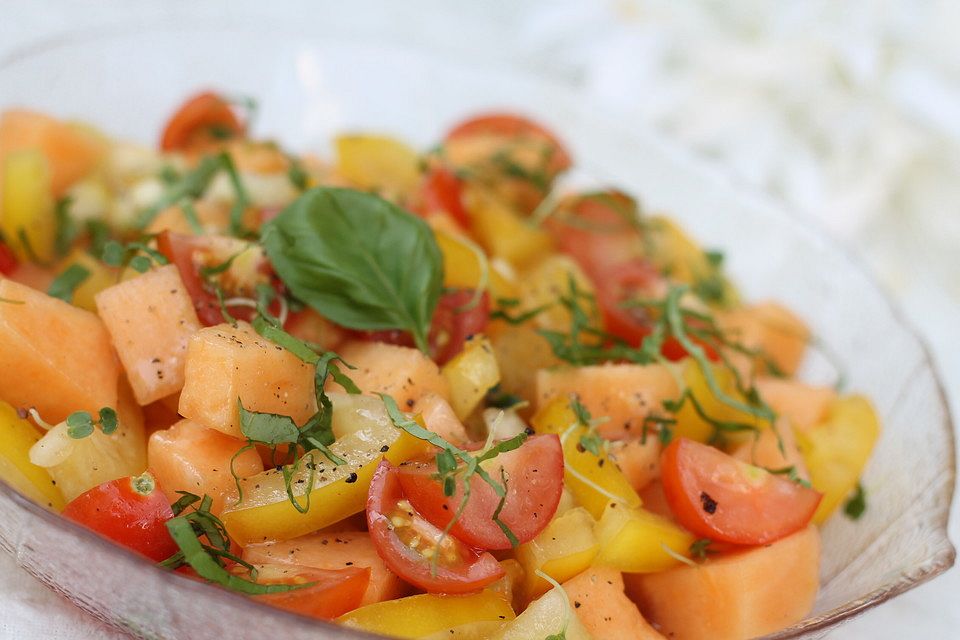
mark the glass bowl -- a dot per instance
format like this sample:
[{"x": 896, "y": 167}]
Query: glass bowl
[{"x": 128, "y": 81}]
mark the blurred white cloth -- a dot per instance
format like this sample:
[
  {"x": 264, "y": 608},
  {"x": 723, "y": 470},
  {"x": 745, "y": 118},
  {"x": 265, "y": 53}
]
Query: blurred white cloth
[{"x": 846, "y": 112}]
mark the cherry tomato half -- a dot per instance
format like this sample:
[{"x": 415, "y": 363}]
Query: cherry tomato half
[
  {"x": 534, "y": 475},
  {"x": 334, "y": 592},
  {"x": 442, "y": 190},
  {"x": 717, "y": 496},
  {"x": 454, "y": 320},
  {"x": 204, "y": 117},
  {"x": 509, "y": 125},
  {"x": 178, "y": 249},
  {"x": 8, "y": 262},
  {"x": 131, "y": 511},
  {"x": 416, "y": 550}
]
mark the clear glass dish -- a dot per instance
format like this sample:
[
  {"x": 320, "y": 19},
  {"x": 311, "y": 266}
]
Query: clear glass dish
[{"x": 128, "y": 81}]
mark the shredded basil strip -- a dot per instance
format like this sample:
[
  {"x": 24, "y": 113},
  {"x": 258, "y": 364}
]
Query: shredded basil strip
[{"x": 66, "y": 284}]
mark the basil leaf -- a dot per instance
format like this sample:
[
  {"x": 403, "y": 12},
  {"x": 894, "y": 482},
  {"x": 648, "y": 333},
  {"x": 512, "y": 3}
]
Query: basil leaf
[
  {"x": 359, "y": 260},
  {"x": 65, "y": 284},
  {"x": 268, "y": 428}
]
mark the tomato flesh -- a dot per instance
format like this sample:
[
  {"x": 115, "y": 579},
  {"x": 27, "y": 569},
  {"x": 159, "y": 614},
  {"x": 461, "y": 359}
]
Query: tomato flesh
[
  {"x": 131, "y": 511},
  {"x": 415, "y": 549},
  {"x": 334, "y": 592},
  {"x": 442, "y": 190},
  {"x": 534, "y": 475},
  {"x": 454, "y": 321},
  {"x": 718, "y": 497},
  {"x": 8, "y": 262},
  {"x": 204, "y": 117},
  {"x": 509, "y": 125}
]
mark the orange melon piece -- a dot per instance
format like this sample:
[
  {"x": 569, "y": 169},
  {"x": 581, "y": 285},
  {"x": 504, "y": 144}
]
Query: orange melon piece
[
  {"x": 214, "y": 217},
  {"x": 733, "y": 596},
  {"x": 639, "y": 461},
  {"x": 226, "y": 363},
  {"x": 623, "y": 393},
  {"x": 188, "y": 457},
  {"x": 438, "y": 416},
  {"x": 598, "y": 599},
  {"x": 804, "y": 405},
  {"x": 57, "y": 357},
  {"x": 333, "y": 551},
  {"x": 764, "y": 450},
  {"x": 771, "y": 328},
  {"x": 72, "y": 150},
  {"x": 405, "y": 373},
  {"x": 150, "y": 319}
]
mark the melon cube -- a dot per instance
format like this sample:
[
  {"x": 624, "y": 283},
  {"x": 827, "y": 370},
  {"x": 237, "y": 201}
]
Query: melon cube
[
  {"x": 150, "y": 319},
  {"x": 226, "y": 363},
  {"x": 55, "y": 357}
]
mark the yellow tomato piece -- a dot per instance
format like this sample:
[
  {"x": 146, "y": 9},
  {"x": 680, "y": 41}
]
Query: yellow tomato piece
[
  {"x": 543, "y": 286},
  {"x": 378, "y": 162},
  {"x": 16, "y": 437},
  {"x": 637, "y": 541},
  {"x": 27, "y": 218},
  {"x": 565, "y": 548},
  {"x": 837, "y": 450},
  {"x": 689, "y": 422},
  {"x": 101, "y": 276},
  {"x": 676, "y": 253},
  {"x": 265, "y": 512},
  {"x": 470, "y": 374},
  {"x": 504, "y": 234},
  {"x": 464, "y": 264},
  {"x": 426, "y": 614},
  {"x": 594, "y": 480}
]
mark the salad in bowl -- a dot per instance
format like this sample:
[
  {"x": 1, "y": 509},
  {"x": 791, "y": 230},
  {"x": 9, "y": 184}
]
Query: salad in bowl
[{"x": 423, "y": 393}]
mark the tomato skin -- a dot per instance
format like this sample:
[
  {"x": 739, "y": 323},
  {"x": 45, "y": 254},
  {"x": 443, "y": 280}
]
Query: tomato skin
[
  {"x": 509, "y": 125},
  {"x": 131, "y": 511},
  {"x": 450, "y": 327},
  {"x": 718, "y": 497},
  {"x": 336, "y": 591},
  {"x": 442, "y": 190},
  {"x": 8, "y": 262},
  {"x": 535, "y": 484},
  {"x": 473, "y": 570},
  {"x": 178, "y": 249},
  {"x": 195, "y": 118}
]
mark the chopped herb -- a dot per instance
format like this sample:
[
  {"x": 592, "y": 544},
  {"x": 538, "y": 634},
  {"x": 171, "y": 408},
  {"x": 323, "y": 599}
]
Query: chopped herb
[
  {"x": 298, "y": 177},
  {"x": 80, "y": 424},
  {"x": 66, "y": 227},
  {"x": 138, "y": 255},
  {"x": 856, "y": 505},
  {"x": 65, "y": 284},
  {"x": 791, "y": 473},
  {"x": 190, "y": 213},
  {"x": 700, "y": 548},
  {"x": 499, "y": 399}
]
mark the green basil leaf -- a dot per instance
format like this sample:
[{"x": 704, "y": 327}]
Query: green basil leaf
[
  {"x": 359, "y": 260},
  {"x": 65, "y": 284},
  {"x": 268, "y": 428}
]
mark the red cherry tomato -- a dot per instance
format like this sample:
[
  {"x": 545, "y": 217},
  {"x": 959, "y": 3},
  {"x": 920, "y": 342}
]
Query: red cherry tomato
[
  {"x": 454, "y": 320},
  {"x": 408, "y": 543},
  {"x": 598, "y": 230},
  {"x": 534, "y": 475},
  {"x": 179, "y": 249},
  {"x": 131, "y": 511},
  {"x": 509, "y": 125},
  {"x": 442, "y": 190},
  {"x": 718, "y": 497},
  {"x": 335, "y": 592},
  {"x": 8, "y": 262},
  {"x": 204, "y": 117}
]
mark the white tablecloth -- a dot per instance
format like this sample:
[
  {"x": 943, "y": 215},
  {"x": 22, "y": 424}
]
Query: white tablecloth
[{"x": 847, "y": 112}]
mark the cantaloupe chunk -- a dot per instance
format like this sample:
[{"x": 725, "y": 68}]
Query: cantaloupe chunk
[
  {"x": 226, "y": 363},
  {"x": 188, "y": 457},
  {"x": 72, "y": 150},
  {"x": 765, "y": 450},
  {"x": 598, "y": 599},
  {"x": 773, "y": 329},
  {"x": 623, "y": 393},
  {"x": 150, "y": 319},
  {"x": 54, "y": 356},
  {"x": 438, "y": 416},
  {"x": 405, "y": 373},
  {"x": 99, "y": 458},
  {"x": 333, "y": 551},
  {"x": 639, "y": 460},
  {"x": 804, "y": 405},
  {"x": 734, "y": 596},
  {"x": 213, "y": 217}
]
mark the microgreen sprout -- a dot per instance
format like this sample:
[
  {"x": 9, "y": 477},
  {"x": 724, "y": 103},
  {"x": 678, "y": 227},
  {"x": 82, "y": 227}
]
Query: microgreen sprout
[{"x": 80, "y": 424}]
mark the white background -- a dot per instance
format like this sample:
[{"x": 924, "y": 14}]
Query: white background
[{"x": 848, "y": 112}]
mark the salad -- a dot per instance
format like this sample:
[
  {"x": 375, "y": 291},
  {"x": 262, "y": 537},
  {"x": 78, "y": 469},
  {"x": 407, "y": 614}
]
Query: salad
[{"x": 423, "y": 393}]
